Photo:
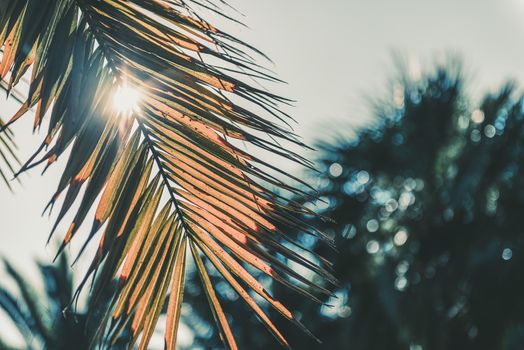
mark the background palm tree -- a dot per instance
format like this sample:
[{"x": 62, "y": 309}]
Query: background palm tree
[
  {"x": 46, "y": 319},
  {"x": 427, "y": 204}
]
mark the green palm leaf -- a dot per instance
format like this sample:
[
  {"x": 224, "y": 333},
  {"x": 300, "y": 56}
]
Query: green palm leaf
[{"x": 169, "y": 173}]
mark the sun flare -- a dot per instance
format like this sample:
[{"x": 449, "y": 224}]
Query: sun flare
[{"x": 126, "y": 99}]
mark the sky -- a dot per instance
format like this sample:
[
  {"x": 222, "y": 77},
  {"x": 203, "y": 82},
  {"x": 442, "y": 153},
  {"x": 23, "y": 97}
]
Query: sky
[{"x": 332, "y": 54}]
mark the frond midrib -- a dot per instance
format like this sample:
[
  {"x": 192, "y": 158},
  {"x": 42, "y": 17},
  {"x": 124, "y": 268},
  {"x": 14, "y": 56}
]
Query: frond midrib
[{"x": 113, "y": 67}]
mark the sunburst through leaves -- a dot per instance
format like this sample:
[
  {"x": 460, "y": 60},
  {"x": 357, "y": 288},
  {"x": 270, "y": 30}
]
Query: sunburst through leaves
[
  {"x": 170, "y": 180},
  {"x": 126, "y": 99}
]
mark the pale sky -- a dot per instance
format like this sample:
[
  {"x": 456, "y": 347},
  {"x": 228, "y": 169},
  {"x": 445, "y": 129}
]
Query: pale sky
[{"x": 331, "y": 53}]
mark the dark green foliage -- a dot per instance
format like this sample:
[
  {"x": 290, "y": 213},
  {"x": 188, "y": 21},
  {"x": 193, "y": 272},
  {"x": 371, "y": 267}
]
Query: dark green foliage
[
  {"x": 46, "y": 319},
  {"x": 428, "y": 208}
]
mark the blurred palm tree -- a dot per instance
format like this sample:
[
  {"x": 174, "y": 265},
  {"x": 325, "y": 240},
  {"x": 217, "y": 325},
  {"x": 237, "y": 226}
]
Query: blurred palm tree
[
  {"x": 155, "y": 106},
  {"x": 428, "y": 207},
  {"x": 46, "y": 319}
]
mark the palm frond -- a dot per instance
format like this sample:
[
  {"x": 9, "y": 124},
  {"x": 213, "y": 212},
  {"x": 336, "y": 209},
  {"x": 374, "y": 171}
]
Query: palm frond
[
  {"x": 8, "y": 157},
  {"x": 170, "y": 173}
]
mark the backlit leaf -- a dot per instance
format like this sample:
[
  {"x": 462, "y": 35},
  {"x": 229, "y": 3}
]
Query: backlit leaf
[{"x": 171, "y": 170}]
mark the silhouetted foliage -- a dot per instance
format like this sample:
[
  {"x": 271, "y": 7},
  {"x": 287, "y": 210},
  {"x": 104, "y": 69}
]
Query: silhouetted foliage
[
  {"x": 46, "y": 319},
  {"x": 427, "y": 205}
]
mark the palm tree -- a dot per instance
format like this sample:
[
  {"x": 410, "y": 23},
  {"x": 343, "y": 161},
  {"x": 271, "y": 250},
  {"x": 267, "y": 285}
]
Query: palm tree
[
  {"x": 164, "y": 165},
  {"x": 48, "y": 320}
]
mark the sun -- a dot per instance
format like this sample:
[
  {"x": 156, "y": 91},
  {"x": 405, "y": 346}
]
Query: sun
[{"x": 126, "y": 99}]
